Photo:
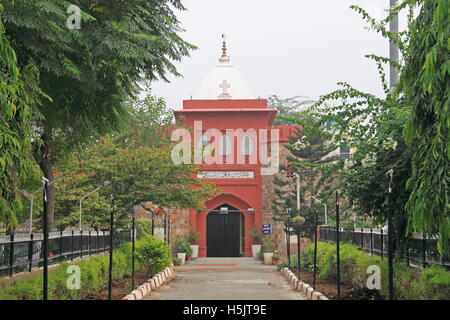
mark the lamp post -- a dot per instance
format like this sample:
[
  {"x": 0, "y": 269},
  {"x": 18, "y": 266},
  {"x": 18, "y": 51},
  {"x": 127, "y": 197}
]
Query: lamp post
[
  {"x": 326, "y": 209},
  {"x": 105, "y": 183},
  {"x": 338, "y": 257},
  {"x": 288, "y": 236},
  {"x": 133, "y": 245},
  {"x": 31, "y": 195},
  {"x": 297, "y": 176},
  {"x": 297, "y": 222},
  {"x": 390, "y": 173},
  {"x": 315, "y": 246},
  {"x": 111, "y": 233}
]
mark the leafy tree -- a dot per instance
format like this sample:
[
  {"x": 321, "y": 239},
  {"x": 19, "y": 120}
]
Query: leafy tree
[
  {"x": 89, "y": 73},
  {"x": 310, "y": 155},
  {"x": 139, "y": 168},
  {"x": 16, "y": 99},
  {"x": 425, "y": 83},
  {"x": 372, "y": 126},
  {"x": 288, "y": 107}
]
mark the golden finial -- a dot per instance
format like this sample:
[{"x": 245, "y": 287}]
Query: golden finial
[{"x": 225, "y": 57}]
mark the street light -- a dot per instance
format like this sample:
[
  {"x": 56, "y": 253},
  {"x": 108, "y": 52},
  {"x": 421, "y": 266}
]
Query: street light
[
  {"x": 290, "y": 174},
  {"x": 325, "y": 205},
  {"x": 315, "y": 244},
  {"x": 31, "y": 195},
  {"x": 297, "y": 176},
  {"x": 105, "y": 183},
  {"x": 288, "y": 236}
]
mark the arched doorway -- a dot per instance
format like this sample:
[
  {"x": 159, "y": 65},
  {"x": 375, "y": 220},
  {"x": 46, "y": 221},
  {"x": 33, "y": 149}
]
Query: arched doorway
[{"x": 224, "y": 232}]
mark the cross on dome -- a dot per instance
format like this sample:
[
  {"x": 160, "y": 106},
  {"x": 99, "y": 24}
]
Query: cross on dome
[
  {"x": 224, "y": 86},
  {"x": 224, "y": 82}
]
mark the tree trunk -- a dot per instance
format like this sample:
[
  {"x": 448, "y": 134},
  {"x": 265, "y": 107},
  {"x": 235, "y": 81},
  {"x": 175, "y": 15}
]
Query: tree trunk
[
  {"x": 400, "y": 239},
  {"x": 47, "y": 168}
]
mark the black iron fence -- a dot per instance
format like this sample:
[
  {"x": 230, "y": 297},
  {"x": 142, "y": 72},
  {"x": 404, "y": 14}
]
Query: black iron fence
[
  {"x": 419, "y": 250},
  {"x": 19, "y": 253}
]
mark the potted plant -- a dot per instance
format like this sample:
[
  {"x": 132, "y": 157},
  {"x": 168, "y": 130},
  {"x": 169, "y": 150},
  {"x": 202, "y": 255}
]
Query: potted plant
[
  {"x": 267, "y": 247},
  {"x": 182, "y": 249},
  {"x": 193, "y": 238},
  {"x": 256, "y": 237},
  {"x": 260, "y": 256},
  {"x": 176, "y": 261},
  {"x": 276, "y": 258}
]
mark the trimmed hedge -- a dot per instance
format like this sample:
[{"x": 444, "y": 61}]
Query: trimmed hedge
[
  {"x": 94, "y": 273},
  {"x": 431, "y": 283}
]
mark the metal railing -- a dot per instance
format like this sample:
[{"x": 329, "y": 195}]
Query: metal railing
[
  {"x": 419, "y": 250},
  {"x": 20, "y": 253}
]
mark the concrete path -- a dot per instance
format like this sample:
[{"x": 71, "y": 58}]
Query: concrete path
[{"x": 245, "y": 279}]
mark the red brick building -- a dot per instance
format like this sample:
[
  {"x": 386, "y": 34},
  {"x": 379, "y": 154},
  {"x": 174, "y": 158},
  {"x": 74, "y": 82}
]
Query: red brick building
[{"x": 225, "y": 115}]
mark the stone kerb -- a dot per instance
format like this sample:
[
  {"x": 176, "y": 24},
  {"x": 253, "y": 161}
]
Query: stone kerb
[
  {"x": 152, "y": 284},
  {"x": 301, "y": 286}
]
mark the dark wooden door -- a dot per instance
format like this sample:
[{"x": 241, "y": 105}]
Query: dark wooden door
[{"x": 222, "y": 234}]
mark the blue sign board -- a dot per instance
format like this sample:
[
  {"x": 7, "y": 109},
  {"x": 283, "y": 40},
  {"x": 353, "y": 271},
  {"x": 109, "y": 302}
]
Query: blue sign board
[{"x": 266, "y": 229}]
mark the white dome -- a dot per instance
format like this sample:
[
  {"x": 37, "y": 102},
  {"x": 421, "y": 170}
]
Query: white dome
[{"x": 224, "y": 82}]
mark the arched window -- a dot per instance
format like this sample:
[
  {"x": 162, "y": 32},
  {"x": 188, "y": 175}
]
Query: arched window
[
  {"x": 247, "y": 145},
  {"x": 225, "y": 145}
]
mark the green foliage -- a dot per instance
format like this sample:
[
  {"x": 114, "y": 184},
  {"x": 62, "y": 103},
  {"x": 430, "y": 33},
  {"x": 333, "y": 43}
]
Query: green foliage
[
  {"x": 276, "y": 255},
  {"x": 310, "y": 148},
  {"x": 94, "y": 273},
  {"x": 409, "y": 283},
  {"x": 192, "y": 236},
  {"x": 255, "y": 235},
  {"x": 176, "y": 261},
  {"x": 267, "y": 245},
  {"x": 16, "y": 103},
  {"x": 153, "y": 253},
  {"x": 182, "y": 246},
  {"x": 425, "y": 82},
  {"x": 415, "y": 112},
  {"x": 436, "y": 283},
  {"x": 289, "y": 107},
  {"x": 88, "y": 74},
  {"x": 143, "y": 228},
  {"x": 138, "y": 163}
]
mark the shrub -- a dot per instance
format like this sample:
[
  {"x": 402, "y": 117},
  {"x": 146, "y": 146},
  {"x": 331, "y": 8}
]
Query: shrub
[
  {"x": 431, "y": 283},
  {"x": 176, "y": 261},
  {"x": 94, "y": 273},
  {"x": 153, "y": 253},
  {"x": 276, "y": 255},
  {"x": 436, "y": 282},
  {"x": 143, "y": 227},
  {"x": 409, "y": 283}
]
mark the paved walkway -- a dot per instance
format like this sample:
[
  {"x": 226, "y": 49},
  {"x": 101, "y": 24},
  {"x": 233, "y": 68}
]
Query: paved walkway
[{"x": 241, "y": 279}]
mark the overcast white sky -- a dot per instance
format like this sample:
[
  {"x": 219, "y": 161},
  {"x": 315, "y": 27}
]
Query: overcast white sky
[{"x": 283, "y": 47}]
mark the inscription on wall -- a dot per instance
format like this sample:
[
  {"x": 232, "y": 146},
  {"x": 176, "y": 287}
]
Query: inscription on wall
[{"x": 225, "y": 174}]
